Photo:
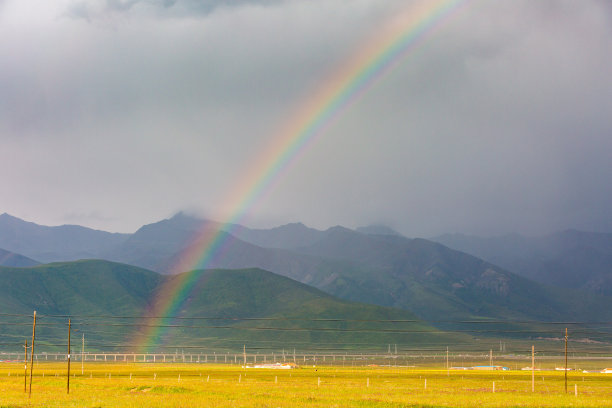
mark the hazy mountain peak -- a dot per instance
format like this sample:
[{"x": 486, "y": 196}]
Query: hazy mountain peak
[
  {"x": 338, "y": 228},
  {"x": 377, "y": 230},
  {"x": 54, "y": 243},
  {"x": 338, "y": 231},
  {"x": 181, "y": 215},
  {"x": 8, "y": 218},
  {"x": 288, "y": 236},
  {"x": 294, "y": 225},
  {"x": 169, "y": 229}
]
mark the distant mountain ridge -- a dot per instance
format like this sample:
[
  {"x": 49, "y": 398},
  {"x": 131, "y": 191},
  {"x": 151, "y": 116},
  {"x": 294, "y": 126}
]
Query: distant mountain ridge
[
  {"x": 283, "y": 237},
  {"x": 8, "y": 258},
  {"x": 436, "y": 282},
  {"x": 427, "y": 278},
  {"x": 351, "y": 265},
  {"x": 153, "y": 245},
  {"x": 59, "y": 243},
  {"x": 568, "y": 259},
  {"x": 424, "y": 277}
]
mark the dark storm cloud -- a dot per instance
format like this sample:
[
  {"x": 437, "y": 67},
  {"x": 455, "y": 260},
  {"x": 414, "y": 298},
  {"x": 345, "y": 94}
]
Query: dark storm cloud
[
  {"x": 90, "y": 9},
  {"x": 498, "y": 121}
]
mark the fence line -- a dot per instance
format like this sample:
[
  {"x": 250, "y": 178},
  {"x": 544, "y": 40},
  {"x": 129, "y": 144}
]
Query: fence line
[{"x": 363, "y": 359}]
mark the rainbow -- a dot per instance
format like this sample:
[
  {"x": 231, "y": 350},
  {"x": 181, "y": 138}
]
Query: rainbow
[{"x": 342, "y": 89}]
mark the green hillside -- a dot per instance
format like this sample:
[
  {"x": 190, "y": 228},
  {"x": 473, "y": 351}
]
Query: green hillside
[
  {"x": 92, "y": 286},
  {"x": 225, "y": 309},
  {"x": 59, "y": 290},
  {"x": 296, "y": 314}
]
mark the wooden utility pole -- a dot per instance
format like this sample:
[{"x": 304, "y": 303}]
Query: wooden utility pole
[
  {"x": 447, "y": 365},
  {"x": 83, "y": 355},
  {"x": 244, "y": 354},
  {"x": 491, "y": 357},
  {"x": 566, "y": 360},
  {"x": 25, "y": 367},
  {"x": 446, "y": 358},
  {"x": 532, "y": 368},
  {"x": 68, "y": 373},
  {"x": 32, "y": 353}
]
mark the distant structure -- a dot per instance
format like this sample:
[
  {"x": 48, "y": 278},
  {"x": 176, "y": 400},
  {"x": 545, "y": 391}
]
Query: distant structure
[
  {"x": 482, "y": 368},
  {"x": 276, "y": 366}
]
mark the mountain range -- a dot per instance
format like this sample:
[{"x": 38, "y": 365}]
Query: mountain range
[
  {"x": 372, "y": 265},
  {"x": 50, "y": 244},
  {"x": 567, "y": 259},
  {"x": 107, "y": 301}
]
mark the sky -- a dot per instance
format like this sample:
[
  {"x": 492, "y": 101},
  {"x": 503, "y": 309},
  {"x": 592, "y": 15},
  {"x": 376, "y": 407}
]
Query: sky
[{"x": 119, "y": 113}]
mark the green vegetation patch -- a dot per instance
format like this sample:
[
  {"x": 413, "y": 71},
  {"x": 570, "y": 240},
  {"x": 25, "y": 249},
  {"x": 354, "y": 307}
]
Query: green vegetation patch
[{"x": 164, "y": 389}]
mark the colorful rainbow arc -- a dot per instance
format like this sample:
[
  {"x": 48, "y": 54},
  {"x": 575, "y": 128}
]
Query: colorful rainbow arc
[{"x": 340, "y": 91}]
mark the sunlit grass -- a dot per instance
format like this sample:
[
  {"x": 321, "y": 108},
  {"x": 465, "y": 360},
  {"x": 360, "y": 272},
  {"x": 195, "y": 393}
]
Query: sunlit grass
[{"x": 203, "y": 385}]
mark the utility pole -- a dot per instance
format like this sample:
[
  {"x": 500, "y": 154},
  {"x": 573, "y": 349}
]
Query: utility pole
[
  {"x": 25, "y": 367},
  {"x": 68, "y": 373},
  {"x": 446, "y": 358},
  {"x": 566, "y": 360},
  {"x": 32, "y": 353},
  {"x": 447, "y": 364},
  {"x": 83, "y": 355},
  {"x": 532, "y": 368},
  {"x": 491, "y": 357},
  {"x": 244, "y": 354}
]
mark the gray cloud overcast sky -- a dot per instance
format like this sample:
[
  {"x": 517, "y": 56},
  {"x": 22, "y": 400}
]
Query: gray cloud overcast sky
[{"x": 118, "y": 113}]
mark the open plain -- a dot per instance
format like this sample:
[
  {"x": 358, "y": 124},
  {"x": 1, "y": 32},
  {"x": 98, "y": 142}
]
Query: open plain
[{"x": 207, "y": 385}]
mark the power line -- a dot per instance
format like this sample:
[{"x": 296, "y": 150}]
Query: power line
[{"x": 423, "y": 321}]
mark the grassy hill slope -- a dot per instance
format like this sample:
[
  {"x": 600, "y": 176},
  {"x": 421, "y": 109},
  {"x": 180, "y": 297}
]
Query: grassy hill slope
[
  {"x": 293, "y": 314},
  {"x": 57, "y": 291},
  {"x": 225, "y": 309}
]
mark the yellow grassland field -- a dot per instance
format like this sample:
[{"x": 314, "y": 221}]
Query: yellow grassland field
[{"x": 205, "y": 385}]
